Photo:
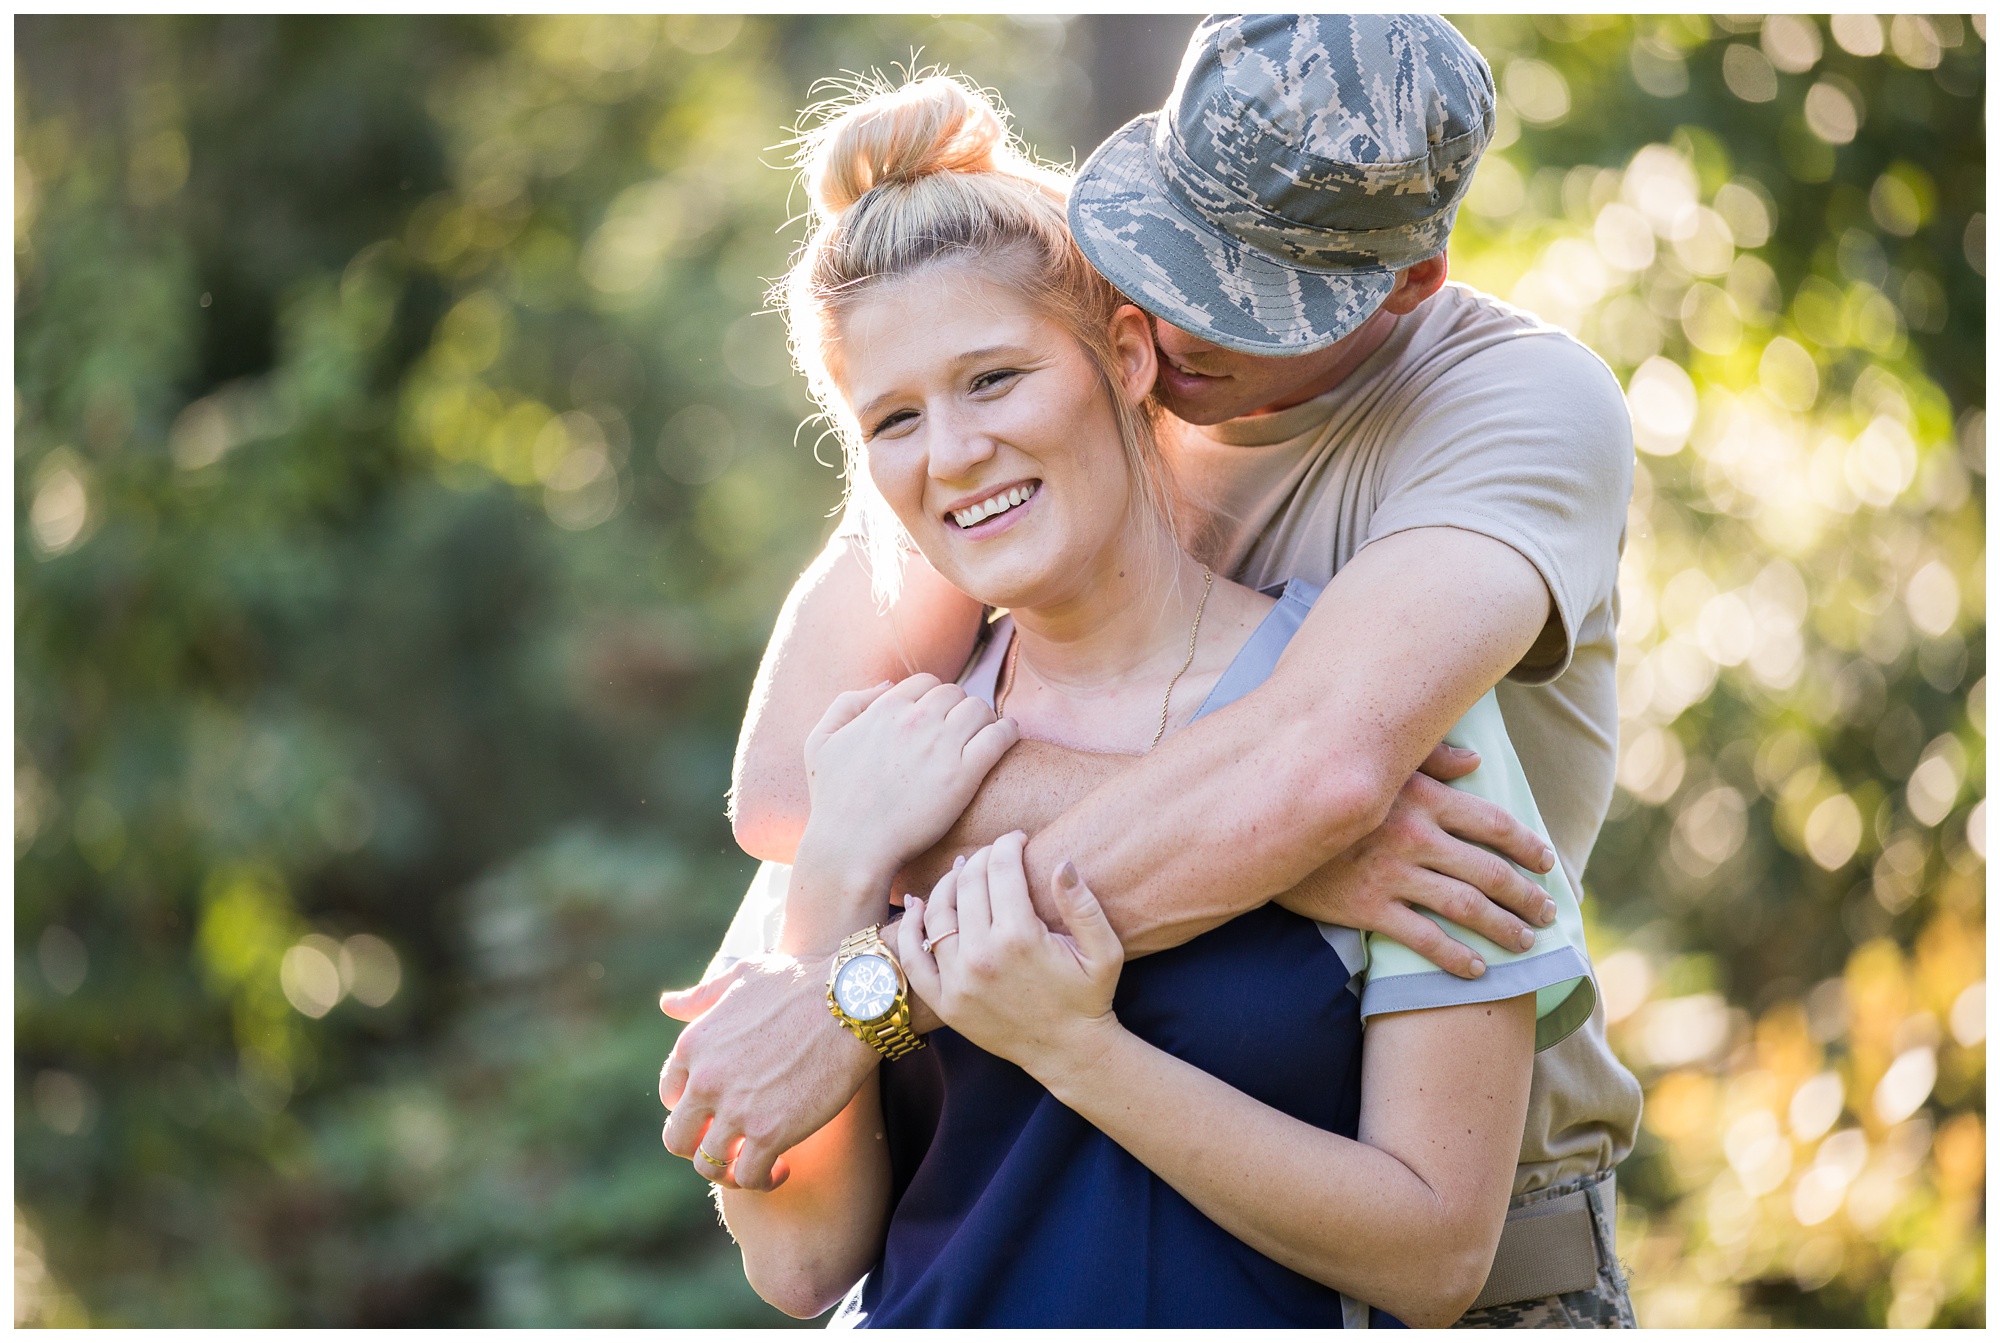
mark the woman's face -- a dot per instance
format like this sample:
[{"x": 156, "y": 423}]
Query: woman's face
[{"x": 990, "y": 432}]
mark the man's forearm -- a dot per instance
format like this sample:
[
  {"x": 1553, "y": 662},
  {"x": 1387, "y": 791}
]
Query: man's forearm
[
  {"x": 1245, "y": 805},
  {"x": 1242, "y": 806},
  {"x": 1034, "y": 783},
  {"x": 1181, "y": 853}
]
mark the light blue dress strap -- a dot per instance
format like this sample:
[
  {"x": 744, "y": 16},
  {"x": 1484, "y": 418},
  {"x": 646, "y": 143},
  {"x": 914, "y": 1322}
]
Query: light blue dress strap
[
  {"x": 981, "y": 677},
  {"x": 1257, "y": 658},
  {"x": 1250, "y": 668}
]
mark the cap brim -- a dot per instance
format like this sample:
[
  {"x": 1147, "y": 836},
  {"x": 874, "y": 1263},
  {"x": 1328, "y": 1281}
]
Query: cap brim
[{"x": 1182, "y": 270}]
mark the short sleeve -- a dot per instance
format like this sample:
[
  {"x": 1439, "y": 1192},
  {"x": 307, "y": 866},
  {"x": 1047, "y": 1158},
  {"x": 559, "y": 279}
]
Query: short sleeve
[
  {"x": 1557, "y": 970},
  {"x": 1527, "y": 441}
]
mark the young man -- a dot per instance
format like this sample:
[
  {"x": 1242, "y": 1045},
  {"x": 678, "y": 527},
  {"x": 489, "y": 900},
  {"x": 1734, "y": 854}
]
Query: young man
[{"x": 1455, "y": 472}]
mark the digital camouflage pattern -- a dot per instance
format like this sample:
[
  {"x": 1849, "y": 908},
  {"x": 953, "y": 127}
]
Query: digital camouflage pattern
[{"x": 1300, "y": 161}]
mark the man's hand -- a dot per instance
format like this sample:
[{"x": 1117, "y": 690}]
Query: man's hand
[
  {"x": 763, "y": 1062},
  {"x": 1428, "y": 853}
]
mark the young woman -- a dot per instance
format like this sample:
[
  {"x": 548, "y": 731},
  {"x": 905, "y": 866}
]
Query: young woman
[{"x": 1195, "y": 1138}]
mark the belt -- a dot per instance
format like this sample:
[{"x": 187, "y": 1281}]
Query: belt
[{"x": 1548, "y": 1247}]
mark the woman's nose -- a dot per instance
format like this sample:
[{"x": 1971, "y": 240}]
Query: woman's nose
[{"x": 958, "y": 446}]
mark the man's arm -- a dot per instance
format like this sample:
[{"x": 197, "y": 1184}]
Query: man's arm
[
  {"x": 1034, "y": 783},
  {"x": 1423, "y": 854},
  {"x": 832, "y": 636},
  {"x": 1243, "y": 805}
]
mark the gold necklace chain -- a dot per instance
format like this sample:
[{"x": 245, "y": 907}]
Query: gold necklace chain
[
  {"x": 1166, "y": 701},
  {"x": 1194, "y": 632},
  {"x": 1007, "y": 674}
]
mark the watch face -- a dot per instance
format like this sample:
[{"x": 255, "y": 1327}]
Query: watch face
[{"x": 865, "y": 988}]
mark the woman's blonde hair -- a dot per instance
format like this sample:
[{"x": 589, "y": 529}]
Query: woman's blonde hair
[{"x": 928, "y": 173}]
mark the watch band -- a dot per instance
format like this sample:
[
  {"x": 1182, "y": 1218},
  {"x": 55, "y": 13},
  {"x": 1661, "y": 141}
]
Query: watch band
[{"x": 888, "y": 1035}]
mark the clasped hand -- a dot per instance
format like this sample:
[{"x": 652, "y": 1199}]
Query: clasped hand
[
  {"x": 889, "y": 769},
  {"x": 994, "y": 972}
]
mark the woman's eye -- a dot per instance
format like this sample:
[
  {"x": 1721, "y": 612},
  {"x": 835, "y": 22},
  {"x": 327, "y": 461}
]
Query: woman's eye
[
  {"x": 998, "y": 378},
  {"x": 890, "y": 423}
]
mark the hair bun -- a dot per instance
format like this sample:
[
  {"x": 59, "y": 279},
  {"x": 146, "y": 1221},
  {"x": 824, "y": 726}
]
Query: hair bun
[{"x": 930, "y": 125}]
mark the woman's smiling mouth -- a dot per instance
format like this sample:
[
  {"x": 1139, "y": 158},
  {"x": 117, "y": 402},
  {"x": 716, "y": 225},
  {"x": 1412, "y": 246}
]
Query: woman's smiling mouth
[{"x": 994, "y": 505}]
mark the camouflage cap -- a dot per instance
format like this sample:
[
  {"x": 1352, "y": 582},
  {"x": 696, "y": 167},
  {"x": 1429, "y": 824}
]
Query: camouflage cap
[{"x": 1301, "y": 160}]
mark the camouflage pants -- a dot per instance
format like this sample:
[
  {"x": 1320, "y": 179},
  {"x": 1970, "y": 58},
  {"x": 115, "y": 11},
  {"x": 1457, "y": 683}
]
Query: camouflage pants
[{"x": 1607, "y": 1305}]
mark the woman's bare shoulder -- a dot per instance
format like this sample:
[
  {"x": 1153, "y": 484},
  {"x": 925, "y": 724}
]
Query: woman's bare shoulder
[{"x": 1234, "y": 612}]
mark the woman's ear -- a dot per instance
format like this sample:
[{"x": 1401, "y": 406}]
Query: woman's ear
[{"x": 1133, "y": 354}]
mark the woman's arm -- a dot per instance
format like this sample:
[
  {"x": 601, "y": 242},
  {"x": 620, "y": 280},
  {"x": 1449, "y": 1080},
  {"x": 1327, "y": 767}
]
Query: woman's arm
[
  {"x": 1407, "y": 1218},
  {"x": 808, "y": 1241}
]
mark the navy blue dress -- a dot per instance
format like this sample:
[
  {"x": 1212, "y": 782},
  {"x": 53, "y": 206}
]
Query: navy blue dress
[{"x": 1009, "y": 1209}]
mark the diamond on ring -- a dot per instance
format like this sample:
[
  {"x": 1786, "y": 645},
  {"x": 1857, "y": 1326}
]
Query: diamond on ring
[{"x": 930, "y": 942}]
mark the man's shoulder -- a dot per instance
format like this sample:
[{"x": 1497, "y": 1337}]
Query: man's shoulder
[
  {"x": 1471, "y": 322},
  {"x": 1474, "y": 344}
]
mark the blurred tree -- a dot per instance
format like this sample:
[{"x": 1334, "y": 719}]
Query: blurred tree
[
  {"x": 408, "y": 477},
  {"x": 1133, "y": 59}
]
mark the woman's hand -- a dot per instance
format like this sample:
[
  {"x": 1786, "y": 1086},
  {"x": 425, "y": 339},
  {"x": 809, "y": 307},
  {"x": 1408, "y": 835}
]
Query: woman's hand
[
  {"x": 992, "y": 970},
  {"x": 891, "y": 768}
]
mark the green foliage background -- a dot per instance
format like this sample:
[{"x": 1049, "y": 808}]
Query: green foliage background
[{"x": 407, "y": 481}]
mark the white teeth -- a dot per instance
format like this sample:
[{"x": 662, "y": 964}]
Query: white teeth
[{"x": 999, "y": 503}]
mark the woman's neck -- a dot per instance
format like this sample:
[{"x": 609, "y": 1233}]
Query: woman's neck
[{"x": 1127, "y": 620}]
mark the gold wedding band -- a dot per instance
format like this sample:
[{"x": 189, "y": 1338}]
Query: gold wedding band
[
  {"x": 719, "y": 1165},
  {"x": 930, "y": 942}
]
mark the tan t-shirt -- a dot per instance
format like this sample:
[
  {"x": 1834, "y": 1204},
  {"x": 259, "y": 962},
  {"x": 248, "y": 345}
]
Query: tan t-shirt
[{"x": 1474, "y": 415}]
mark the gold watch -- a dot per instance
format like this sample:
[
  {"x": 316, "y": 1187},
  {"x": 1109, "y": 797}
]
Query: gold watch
[{"x": 869, "y": 994}]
